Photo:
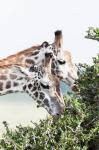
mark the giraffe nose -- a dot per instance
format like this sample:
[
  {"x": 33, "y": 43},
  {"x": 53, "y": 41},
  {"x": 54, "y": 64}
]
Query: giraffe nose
[
  {"x": 62, "y": 108},
  {"x": 57, "y": 115}
]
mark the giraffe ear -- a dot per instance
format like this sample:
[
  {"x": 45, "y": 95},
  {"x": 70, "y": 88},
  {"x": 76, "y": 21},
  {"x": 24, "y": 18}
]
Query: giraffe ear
[
  {"x": 45, "y": 44},
  {"x": 20, "y": 70}
]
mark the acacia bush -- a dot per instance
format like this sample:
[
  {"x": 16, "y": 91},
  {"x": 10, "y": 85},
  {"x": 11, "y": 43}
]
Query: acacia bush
[
  {"x": 76, "y": 129},
  {"x": 93, "y": 33}
]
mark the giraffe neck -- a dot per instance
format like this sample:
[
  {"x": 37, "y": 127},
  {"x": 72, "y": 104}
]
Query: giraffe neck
[
  {"x": 24, "y": 58},
  {"x": 14, "y": 79},
  {"x": 28, "y": 57},
  {"x": 11, "y": 80}
]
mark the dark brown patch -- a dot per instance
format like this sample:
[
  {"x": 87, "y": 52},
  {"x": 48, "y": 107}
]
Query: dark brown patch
[
  {"x": 48, "y": 55},
  {"x": 13, "y": 76},
  {"x": 8, "y": 84},
  {"x": 15, "y": 84},
  {"x": 36, "y": 83},
  {"x": 39, "y": 88},
  {"x": 29, "y": 61},
  {"x": 36, "y": 94},
  {"x": 46, "y": 102},
  {"x": 36, "y": 57},
  {"x": 3, "y": 77},
  {"x": 35, "y": 53},
  {"x": 1, "y": 86},
  {"x": 24, "y": 87},
  {"x": 20, "y": 78},
  {"x": 34, "y": 88},
  {"x": 53, "y": 65},
  {"x": 27, "y": 91},
  {"x": 39, "y": 102},
  {"x": 42, "y": 95},
  {"x": 9, "y": 91},
  {"x": 29, "y": 86}
]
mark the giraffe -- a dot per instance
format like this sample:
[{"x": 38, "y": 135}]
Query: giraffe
[
  {"x": 38, "y": 82},
  {"x": 68, "y": 69},
  {"x": 28, "y": 57},
  {"x": 62, "y": 65}
]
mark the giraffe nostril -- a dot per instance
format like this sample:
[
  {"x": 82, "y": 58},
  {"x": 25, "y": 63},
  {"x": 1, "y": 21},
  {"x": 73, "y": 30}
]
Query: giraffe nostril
[
  {"x": 48, "y": 54},
  {"x": 57, "y": 114}
]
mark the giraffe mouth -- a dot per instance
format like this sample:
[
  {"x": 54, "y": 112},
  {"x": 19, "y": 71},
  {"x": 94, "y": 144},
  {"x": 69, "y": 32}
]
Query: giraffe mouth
[{"x": 57, "y": 108}]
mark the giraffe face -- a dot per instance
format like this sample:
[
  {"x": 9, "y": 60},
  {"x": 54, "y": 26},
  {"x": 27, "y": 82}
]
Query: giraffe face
[
  {"x": 37, "y": 56},
  {"x": 64, "y": 69},
  {"x": 51, "y": 101},
  {"x": 43, "y": 90}
]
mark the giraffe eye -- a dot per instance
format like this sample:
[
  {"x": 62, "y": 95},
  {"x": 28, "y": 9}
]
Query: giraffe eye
[
  {"x": 45, "y": 86},
  {"x": 61, "y": 62}
]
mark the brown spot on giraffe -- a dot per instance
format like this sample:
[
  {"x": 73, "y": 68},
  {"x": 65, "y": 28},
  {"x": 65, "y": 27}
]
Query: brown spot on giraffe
[
  {"x": 30, "y": 86},
  {"x": 13, "y": 76},
  {"x": 8, "y": 84},
  {"x": 35, "y": 53},
  {"x": 29, "y": 61},
  {"x": 36, "y": 94},
  {"x": 24, "y": 87},
  {"x": 1, "y": 86},
  {"x": 3, "y": 77},
  {"x": 46, "y": 102},
  {"x": 42, "y": 95},
  {"x": 15, "y": 84},
  {"x": 36, "y": 57},
  {"x": 34, "y": 88}
]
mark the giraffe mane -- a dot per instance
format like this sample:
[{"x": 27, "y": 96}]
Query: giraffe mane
[{"x": 25, "y": 52}]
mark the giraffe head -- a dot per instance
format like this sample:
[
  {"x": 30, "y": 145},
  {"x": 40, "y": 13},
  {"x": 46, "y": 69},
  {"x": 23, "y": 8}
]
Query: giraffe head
[
  {"x": 64, "y": 68},
  {"x": 28, "y": 57},
  {"x": 43, "y": 87},
  {"x": 37, "y": 56},
  {"x": 62, "y": 65},
  {"x": 37, "y": 82}
]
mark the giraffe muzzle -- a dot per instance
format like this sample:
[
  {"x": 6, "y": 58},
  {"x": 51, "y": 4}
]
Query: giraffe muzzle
[{"x": 57, "y": 109}]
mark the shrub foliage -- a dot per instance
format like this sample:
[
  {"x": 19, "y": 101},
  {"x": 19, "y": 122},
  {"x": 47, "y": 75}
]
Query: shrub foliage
[{"x": 93, "y": 33}]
